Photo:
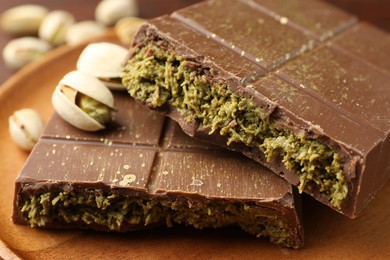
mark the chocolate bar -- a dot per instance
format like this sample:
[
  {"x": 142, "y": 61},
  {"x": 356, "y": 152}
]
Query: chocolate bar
[
  {"x": 299, "y": 86},
  {"x": 143, "y": 171}
]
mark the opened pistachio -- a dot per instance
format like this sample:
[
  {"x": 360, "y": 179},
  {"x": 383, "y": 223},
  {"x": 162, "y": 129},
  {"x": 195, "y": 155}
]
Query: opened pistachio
[
  {"x": 25, "y": 127},
  {"x": 104, "y": 60},
  {"x": 55, "y": 26},
  {"x": 23, "y": 19},
  {"x": 83, "y": 101},
  {"x": 127, "y": 27},
  {"x": 83, "y": 31},
  {"x": 19, "y": 52},
  {"x": 108, "y": 12}
]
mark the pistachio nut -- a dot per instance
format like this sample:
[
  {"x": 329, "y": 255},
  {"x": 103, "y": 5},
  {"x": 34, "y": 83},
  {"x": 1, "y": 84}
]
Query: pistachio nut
[
  {"x": 25, "y": 127},
  {"x": 104, "y": 61},
  {"x": 83, "y": 101},
  {"x": 23, "y": 19},
  {"x": 55, "y": 26},
  {"x": 108, "y": 12},
  {"x": 127, "y": 27},
  {"x": 83, "y": 31},
  {"x": 19, "y": 52}
]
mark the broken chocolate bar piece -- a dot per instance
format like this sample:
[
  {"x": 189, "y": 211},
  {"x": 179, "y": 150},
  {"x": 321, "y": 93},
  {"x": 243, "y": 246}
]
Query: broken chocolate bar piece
[
  {"x": 144, "y": 171},
  {"x": 295, "y": 85}
]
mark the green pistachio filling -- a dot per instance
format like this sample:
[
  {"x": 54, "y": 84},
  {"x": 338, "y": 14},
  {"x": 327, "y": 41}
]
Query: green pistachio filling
[
  {"x": 158, "y": 78},
  {"x": 115, "y": 211},
  {"x": 98, "y": 111}
]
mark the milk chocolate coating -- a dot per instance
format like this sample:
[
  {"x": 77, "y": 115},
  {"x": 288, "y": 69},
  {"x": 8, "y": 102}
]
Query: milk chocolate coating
[
  {"x": 163, "y": 162},
  {"x": 312, "y": 67}
]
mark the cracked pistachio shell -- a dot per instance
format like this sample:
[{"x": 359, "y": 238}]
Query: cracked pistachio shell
[
  {"x": 25, "y": 127},
  {"x": 104, "y": 60},
  {"x": 19, "y": 52},
  {"x": 23, "y": 19},
  {"x": 55, "y": 26},
  {"x": 83, "y": 31},
  {"x": 87, "y": 85},
  {"x": 108, "y": 12}
]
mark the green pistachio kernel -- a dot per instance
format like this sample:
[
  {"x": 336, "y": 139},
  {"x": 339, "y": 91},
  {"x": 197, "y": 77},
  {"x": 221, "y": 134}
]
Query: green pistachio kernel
[{"x": 98, "y": 111}]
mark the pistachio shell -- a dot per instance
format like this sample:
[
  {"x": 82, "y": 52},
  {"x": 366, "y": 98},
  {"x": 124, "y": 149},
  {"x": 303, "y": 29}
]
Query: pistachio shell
[
  {"x": 25, "y": 127},
  {"x": 72, "y": 114},
  {"x": 127, "y": 27},
  {"x": 55, "y": 26},
  {"x": 23, "y": 19},
  {"x": 82, "y": 31},
  {"x": 103, "y": 60},
  {"x": 108, "y": 12},
  {"x": 113, "y": 84},
  {"x": 19, "y": 52},
  {"x": 87, "y": 85}
]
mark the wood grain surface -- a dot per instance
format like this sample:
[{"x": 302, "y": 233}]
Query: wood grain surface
[{"x": 328, "y": 234}]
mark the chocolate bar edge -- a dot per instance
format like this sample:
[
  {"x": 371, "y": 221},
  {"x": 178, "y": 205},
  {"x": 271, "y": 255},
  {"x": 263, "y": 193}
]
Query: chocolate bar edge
[{"x": 28, "y": 187}]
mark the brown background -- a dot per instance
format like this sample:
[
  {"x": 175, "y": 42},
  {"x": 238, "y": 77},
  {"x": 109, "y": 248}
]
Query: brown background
[{"x": 374, "y": 11}]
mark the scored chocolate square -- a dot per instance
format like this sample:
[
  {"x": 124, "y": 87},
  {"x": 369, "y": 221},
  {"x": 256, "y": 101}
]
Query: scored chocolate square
[{"x": 143, "y": 171}]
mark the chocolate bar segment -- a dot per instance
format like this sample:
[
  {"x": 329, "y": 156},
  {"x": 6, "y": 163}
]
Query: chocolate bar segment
[
  {"x": 315, "y": 18},
  {"x": 143, "y": 171},
  {"x": 277, "y": 82},
  {"x": 367, "y": 43},
  {"x": 233, "y": 27}
]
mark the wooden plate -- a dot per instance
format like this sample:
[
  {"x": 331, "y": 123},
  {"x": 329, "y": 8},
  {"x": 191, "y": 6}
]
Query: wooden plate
[{"x": 327, "y": 233}]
